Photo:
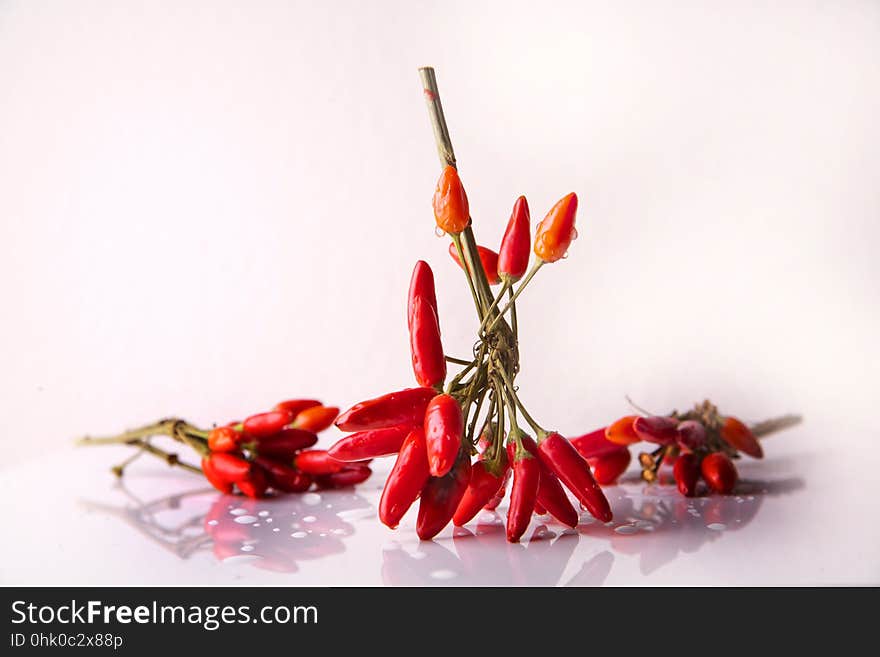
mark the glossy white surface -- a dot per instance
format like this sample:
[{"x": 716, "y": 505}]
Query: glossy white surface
[{"x": 787, "y": 524}]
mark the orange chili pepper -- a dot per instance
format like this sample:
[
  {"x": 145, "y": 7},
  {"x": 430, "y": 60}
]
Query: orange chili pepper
[
  {"x": 450, "y": 202},
  {"x": 556, "y": 231}
]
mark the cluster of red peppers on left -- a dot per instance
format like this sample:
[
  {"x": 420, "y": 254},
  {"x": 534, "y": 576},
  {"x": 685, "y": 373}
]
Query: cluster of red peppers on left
[{"x": 269, "y": 451}]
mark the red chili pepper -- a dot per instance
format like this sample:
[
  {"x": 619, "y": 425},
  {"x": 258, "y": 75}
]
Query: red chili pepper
[
  {"x": 551, "y": 496},
  {"x": 736, "y": 434},
  {"x": 692, "y": 435},
  {"x": 607, "y": 469},
  {"x": 444, "y": 426},
  {"x": 539, "y": 510},
  {"x": 492, "y": 504},
  {"x": 429, "y": 364},
  {"x": 351, "y": 475},
  {"x": 229, "y": 467},
  {"x": 482, "y": 487},
  {"x": 266, "y": 424},
  {"x": 656, "y": 429},
  {"x": 594, "y": 444},
  {"x": 254, "y": 483},
  {"x": 223, "y": 439},
  {"x": 487, "y": 256},
  {"x": 621, "y": 431},
  {"x": 421, "y": 285},
  {"x": 523, "y": 495},
  {"x": 686, "y": 472},
  {"x": 370, "y": 444},
  {"x": 719, "y": 472},
  {"x": 556, "y": 231},
  {"x": 316, "y": 418},
  {"x": 396, "y": 408},
  {"x": 284, "y": 444},
  {"x": 284, "y": 478},
  {"x": 317, "y": 462},
  {"x": 218, "y": 482},
  {"x": 294, "y": 406},
  {"x": 406, "y": 479},
  {"x": 513, "y": 256},
  {"x": 440, "y": 498},
  {"x": 563, "y": 460},
  {"x": 451, "y": 203}
]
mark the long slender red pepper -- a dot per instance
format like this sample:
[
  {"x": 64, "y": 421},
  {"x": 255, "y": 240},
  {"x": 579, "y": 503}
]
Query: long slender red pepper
[
  {"x": 444, "y": 426},
  {"x": 426, "y": 346},
  {"x": 266, "y": 424},
  {"x": 315, "y": 418},
  {"x": 482, "y": 487},
  {"x": 564, "y": 461},
  {"x": 317, "y": 462},
  {"x": 656, "y": 429},
  {"x": 396, "y": 408},
  {"x": 551, "y": 495},
  {"x": 513, "y": 256},
  {"x": 369, "y": 444},
  {"x": 285, "y": 444},
  {"x": 523, "y": 494},
  {"x": 487, "y": 256},
  {"x": 406, "y": 479},
  {"x": 594, "y": 444},
  {"x": 351, "y": 475},
  {"x": 440, "y": 498},
  {"x": 421, "y": 285}
]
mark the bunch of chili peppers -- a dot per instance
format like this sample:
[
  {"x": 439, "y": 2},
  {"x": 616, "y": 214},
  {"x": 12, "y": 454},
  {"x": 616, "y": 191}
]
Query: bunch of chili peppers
[
  {"x": 270, "y": 450},
  {"x": 700, "y": 443}
]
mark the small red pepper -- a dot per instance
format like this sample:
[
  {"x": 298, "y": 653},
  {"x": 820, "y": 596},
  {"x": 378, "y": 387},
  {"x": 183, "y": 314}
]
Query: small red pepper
[
  {"x": 440, "y": 498},
  {"x": 315, "y": 418},
  {"x": 719, "y": 472},
  {"x": 220, "y": 483},
  {"x": 351, "y": 475},
  {"x": 551, "y": 496},
  {"x": 736, "y": 434},
  {"x": 421, "y": 285},
  {"x": 450, "y": 202},
  {"x": 594, "y": 444},
  {"x": 406, "y": 479},
  {"x": 608, "y": 468},
  {"x": 282, "y": 477},
  {"x": 223, "y": 439},
  {"x": 396, "y": 408},
  {"x": 369, "y": 444},
  {"x": 294, "y": 406},
  {"x": 254, "y": 483},
  {"x": 229, "y": 467},
  {"x": 489, "y": 259},
  {"x": 493, "y": 503},
  {"x": 266, "y": 424},
  {"x": 482, "y": 487},
  {"x": 556, "y": 231},
  {"x": 563, "y": 460},
  {"x": 686, "y": 472},
  {"x": 444, "y": 426},
  {"x": 513, "y": 256},
  {"x": 317, "y": 462},
  {"x": 656, "y": 429},
  {"x": 523, "y": 494},
  {"x": 428, "y": 361},
  {"x": 284, "y": 444},
  {"x": 691, "y": 435},
  {"x": 621, "y": 431}
]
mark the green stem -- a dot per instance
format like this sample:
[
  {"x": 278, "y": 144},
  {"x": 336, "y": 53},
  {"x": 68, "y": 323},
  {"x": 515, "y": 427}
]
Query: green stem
[
  {"x": 456, "y": 240},
  {"x": 534, "y": 270},
  {"x": 486, "y": 316},
  {"x": 522, "y": 409}
]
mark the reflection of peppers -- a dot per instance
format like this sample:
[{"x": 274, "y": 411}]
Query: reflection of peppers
[
  {"x": 523, "y": 494},
  {"x": 556, "y": 231},
  {"x": 736, "y": 434},
  {"x": 719, "y": 472},
  {"x": 317, "y": 462},
  {"x": 513, "y": 256},
  {"x": 686, "y": 471},
  {"x": 315, "y": 418},
  {"x": 607, "y": 468},
  {"x": 282, "y": 477},
  {"x": 487, "y": 256},
  {"x": 441, "y": 496},
  {"x": 551, "y": 496},
  {"x": 369, "y": 444},
  {"x": 421, "y": 285},
  {"x": 401, "y": 407},
  {"x": 444, "y": 426},
  {"x": 594, "y": 444},
  {"x": 482, "y": 487},
  {"x": 656, "y": 429},
  {"x": 429, "y": 364},
  {"x": 406, "y": 479},
  {"x": 564, "y": 461},
  {"x": 450, "y": 202},
  {"x": 266, "y": 424},
  {"x": 223, "y": 439},
  {"x": 621, "y": 431},
  {"x": 284, "y": 444}
]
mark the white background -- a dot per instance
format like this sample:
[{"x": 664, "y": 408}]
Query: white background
[{"x": 206, "y": 207}]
